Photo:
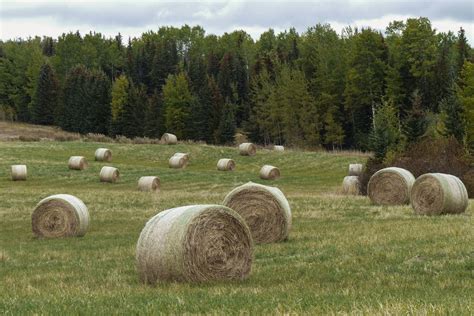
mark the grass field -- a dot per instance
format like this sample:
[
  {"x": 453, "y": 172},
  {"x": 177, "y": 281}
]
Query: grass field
[{"x": 344, "y": 255}]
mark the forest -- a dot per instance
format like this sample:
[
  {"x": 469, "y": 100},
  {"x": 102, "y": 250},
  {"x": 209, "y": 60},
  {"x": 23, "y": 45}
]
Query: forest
[{"x": 355, "y": 89}]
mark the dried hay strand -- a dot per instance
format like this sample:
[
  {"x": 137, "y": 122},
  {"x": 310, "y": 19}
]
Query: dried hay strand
[
  {"x": 278, "y": 148},
  {"x": 103, "y": 154},
  {"x": 178, "y": 162},
  {"x": 265, "y": 209},
  {"x": 247, "y": 149},
  {"x": 390, "y": 186},
  {"x": 109, "y": 174},
  {"x": 19, "y": 172},
  {"x": 226, "y": 164},
  {"x": 77, "y": 163},
  {"x": 60, "y": 215},
  {"x": 184, "y": 155},
  {"x": 149, "y": 183},
  {"x": 355, "y": 169},
  {"x": 195, "y": 243},
  {"x": 269, "y": 173},
  {"x": 351, "y": 185},
  {"x": 439, "y": 193},
  {"x": 169, "y": 139}
]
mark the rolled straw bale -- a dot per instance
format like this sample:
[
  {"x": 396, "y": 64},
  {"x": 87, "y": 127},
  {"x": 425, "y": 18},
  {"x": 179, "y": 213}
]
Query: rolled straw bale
[
  {"x": 194, "y": 243},
  {"x": 149, "y": 183},
  {"x": 247, "y": 149},
  {"x": 265, "y": 209},
  {"x": 109, "y": 174},
  {"x": 77, "y": 163},
  {"x": 351, "y": 185},
  {"x": 169, "y": 139},
  {"x": 439, "y": 193},
  {"x": 355, "y": 169},
  {"x": 278, "y": 148},
  {"x": 390, "y": 186},
  {"x": 184, "y": 155},
  {"x": 269, "y": 172},
  {"x": 103, "y": 154},
  {"x": 60, "y": 215},
  {"x": 178, "y": 162},
  {"x": 19, "y": 172},
  {"x": 226, "y": 164}
]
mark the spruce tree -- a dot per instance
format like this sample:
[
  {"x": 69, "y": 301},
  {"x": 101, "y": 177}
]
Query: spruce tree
[
  {"x": 462, "y": 50},
  {"x": 226, "y": 130},
  {"x": 154, "y": 120},
  {"x": 415, "y": 123},
  {"x": 385, "y": 135},
  {"x": 454, "y": 116},
  {"x": 334, "y": 135},
  {"x": 45, "y": 100}
]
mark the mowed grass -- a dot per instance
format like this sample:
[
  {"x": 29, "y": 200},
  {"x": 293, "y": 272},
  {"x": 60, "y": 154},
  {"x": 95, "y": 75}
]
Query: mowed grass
[{"x": 344, "y": 255}]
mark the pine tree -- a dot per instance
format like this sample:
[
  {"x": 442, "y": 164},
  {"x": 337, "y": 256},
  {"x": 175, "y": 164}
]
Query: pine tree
[
  {"x": 226, "y": 85},
  {"x": 466, "y": 96},
  {"x": 415, "y": 123},
  {"x": 334, "y": 135},
  {"x": 454, "y": 118},
  {"x": 154, "y": 120},
  {"x": 462, "y": 50},
  {"x": 45, "y": 100},
  {"x": 216, "y": 106},
  {"x": 385, "y": 135},
  {"x": 226, "y": 130}
]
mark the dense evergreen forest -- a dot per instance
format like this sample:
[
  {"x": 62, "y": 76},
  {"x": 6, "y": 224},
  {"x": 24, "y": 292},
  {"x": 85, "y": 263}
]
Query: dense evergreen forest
[{"x": 360, "y": 89}]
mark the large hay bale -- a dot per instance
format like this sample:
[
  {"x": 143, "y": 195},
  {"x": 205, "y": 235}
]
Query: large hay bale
[
  {"x": 178, "y": 162},
  {"x": 109, "y": 174},
  {"x": 103, "y": 154},
  {"x": 268, "y": 172},
  {"x": 19, "y": 172},
  {"x": 169, "y": 139},
  {"x": 194, "y": 243},
  {"x": 265, "y": 209},
  {"x": 226, "y": 164},
  {"x": 60, "y": 215},
  {"x": 184, "y": 155},
  {"x": 439, "y": 193},
  {"x": 278, "y": 148},
  {"x": 390, "y": 186},
  {"x": 247, "y": 149},
  {"x": 351, "y": 185},
  {"x": 77, "y": 163},
  {"x": 149, "y": 183},
  {"x": 355, "y": 169}
]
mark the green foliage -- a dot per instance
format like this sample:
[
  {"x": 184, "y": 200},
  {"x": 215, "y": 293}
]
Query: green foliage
[
  {"x": 334, "y": 135},
  {"x": 466, "y": 96},
  {"x": 454, "y": 116},
  {"x": 226, "y": 130},
  {"x": 385, "y": 135},
  {"x": 45, "y": 101},
  {"x": 415, "y": 123}
]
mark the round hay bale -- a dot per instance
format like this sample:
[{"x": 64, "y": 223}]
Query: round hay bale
[
  {"x": 247, "y": 149},
  {"x": 103, "y": 154},
  {"x": 351, "y": 185},
  {"x": 109, "y": 174},
  {"x": 439, "y": 193},
  {"x": 184, "y": 155},
  {"x": 390, "y": 186},
  {"x": 269, "y": 172},
  {"x": 19, "y": 172},
  {"x": 149, "y": 183},
  {"x": 169, "y": 139},
  {"x": 278, "y": 148},
  {"x": 77, "y": 163},
  {"x": 195, "y": 243},
  {"x": 178, "y": 162},
  {"x": 60, "y": 215},
  {"x": 355, "y": 169},
  {"x": 226, "y": 164},
  {"x": 265, "y": 209}
]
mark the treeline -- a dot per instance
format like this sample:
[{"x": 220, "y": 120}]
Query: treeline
[{"x": 361, "y": 89}]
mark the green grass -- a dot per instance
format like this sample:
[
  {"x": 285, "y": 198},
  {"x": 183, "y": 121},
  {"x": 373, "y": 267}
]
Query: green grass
[{"x": 343, "y": 256}]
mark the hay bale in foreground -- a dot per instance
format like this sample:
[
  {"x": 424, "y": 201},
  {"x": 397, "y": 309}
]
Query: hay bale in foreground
[
  {"x": 60, "y": 215},
  {"x": 265, "y": 209},
  {"x": 149, "y": 183},
  {"x": 194, "y": 243},
  {"x": 169, "y": 139},
  {"x": 77, "y": 163},
  {"x": 184, "y": 155},
  {"x": 178, "y": 162},
  {"x": 103, "y": 154},
  {"x": 109, "y": 174},
  {"x": 247, "y": 149},
  {"x": 439, "y": 193},
  {"x": 269, "y": 173},
  {"x": 390, "y": 186},
  {"x": 351, "y": 185},
  {"x": 19, "y": 172},
  {"x": 355, "y": 169},
  {"x": 278, "y": 148},
  {"x": 226, "y": 164}
]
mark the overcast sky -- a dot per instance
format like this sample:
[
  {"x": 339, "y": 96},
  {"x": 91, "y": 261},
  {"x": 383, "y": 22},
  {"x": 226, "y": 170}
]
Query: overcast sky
[{"x": 131, "y": 18}]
